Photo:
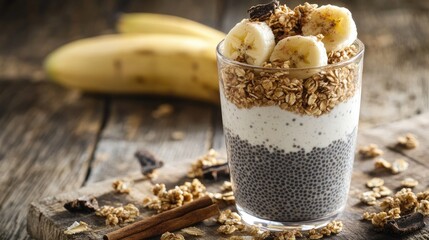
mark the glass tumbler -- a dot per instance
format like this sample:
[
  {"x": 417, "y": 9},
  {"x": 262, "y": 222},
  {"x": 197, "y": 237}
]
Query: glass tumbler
[{"x": 290, "y": 138}]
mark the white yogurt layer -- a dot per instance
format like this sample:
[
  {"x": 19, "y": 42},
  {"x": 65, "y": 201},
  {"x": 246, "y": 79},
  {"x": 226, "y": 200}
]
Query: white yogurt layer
[{"x": 290, "y": 131}]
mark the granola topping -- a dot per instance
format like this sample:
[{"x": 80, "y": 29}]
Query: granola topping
[{"x": 314, "y": 96}]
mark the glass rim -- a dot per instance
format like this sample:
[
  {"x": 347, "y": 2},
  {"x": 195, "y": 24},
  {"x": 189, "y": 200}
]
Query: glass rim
[{"x": 358, "y": 42}]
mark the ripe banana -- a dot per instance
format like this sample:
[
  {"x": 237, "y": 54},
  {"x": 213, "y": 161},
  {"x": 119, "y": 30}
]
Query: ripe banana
[
  {"x": 159, "y": 64},
  {"x": 335, "y": 23},
  {"x": 300, "y": 52},
  {"x": 166, "y": 24},
  {"x": 252, "y": 42}
]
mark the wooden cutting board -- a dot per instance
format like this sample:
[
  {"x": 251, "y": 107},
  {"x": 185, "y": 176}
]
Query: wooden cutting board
[{"x": 47, "y": 219}]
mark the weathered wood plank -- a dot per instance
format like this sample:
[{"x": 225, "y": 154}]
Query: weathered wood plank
[
  {"x": 130, "y": 126},
  {"x": 354, "y": 228},
  {"x": 55, "y": 218},
  {"x": 385, "y": 136},
  {"x": 46, "y": 140}
]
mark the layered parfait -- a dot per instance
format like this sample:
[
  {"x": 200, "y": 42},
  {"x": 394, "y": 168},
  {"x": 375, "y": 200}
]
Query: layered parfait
[{"x": 290, "y": 94}]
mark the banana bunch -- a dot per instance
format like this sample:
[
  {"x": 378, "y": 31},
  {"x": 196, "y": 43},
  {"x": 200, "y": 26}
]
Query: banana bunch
[
  {"x": 166, "y": 24},
  {"x": 154, "y": 54}
]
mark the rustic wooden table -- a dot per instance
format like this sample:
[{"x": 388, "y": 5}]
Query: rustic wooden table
[{"x": 56, "y": 140}]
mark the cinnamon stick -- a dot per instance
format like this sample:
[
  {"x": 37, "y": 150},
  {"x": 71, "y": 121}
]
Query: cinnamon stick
[
  {"x": 144, "y": 224},
  {"x": 177, "y": 223}
]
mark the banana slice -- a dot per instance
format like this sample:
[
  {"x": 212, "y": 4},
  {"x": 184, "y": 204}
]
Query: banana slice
[
  {"x": 301, "y": 52},
  {"x": 335, "y": 23},
  {"x": 252, "y": 42}
]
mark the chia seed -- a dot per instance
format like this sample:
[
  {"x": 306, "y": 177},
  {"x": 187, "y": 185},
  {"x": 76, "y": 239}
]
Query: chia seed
[{"x": 272, "y": 184}]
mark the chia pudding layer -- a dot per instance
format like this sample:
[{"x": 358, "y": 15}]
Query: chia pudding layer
[{"x": 288, "y": 167}]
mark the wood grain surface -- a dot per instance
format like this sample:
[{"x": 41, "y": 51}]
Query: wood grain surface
[
  {"x": 48, "y": 135},
  {"x": 54, "y": 140},
  {"x": 48, "y": 219}
]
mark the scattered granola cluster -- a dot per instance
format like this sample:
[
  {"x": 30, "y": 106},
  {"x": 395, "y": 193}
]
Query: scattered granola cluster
[
  {"x": 378, "y": 190},
  {"x": 370, "y": 151},
  {"x": 212, "y": 158},
  {"x": 257, "y": 233},
  {"x": 288, "y": 235},
  {"x": 177, "y": 135},
  {"x": 375, "y": 182},
  {"x": 402, "y": 203},
  {"x": 118, "y": 215},
  {"x": 172, "y": 236},
  {"x": 165, "y": 200},
  {"x": 423, "y": 198},
  {"x": 409, "y": 141},
  {"x": 398, "y": 166},
  {"x": 121, "y": 186},
  {"x": 227, "y": 195},
  {"x": 409, "y": 182},
  {"x": 193, "y": 231},
  {"x": 77, "y": 227},
  {"x": 162, "y": 110},
  {"x": 314, "y": 96},
  {"x": 381, "y": 163},
  {"x": 230, "y": 221},
  {"x": 333, "y": 227}
]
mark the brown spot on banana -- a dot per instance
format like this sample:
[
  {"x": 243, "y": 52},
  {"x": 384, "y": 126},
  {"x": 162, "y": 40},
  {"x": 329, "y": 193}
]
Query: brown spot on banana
[
  {"x": 208, "y": 87},
  {"x": 139, "y": 79},
  {"x": 145, "y": 52},
  {"x": 183, "y": 54},
  {"x": 117, "y": 66},
  {"x": 195, "y": 66}
]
